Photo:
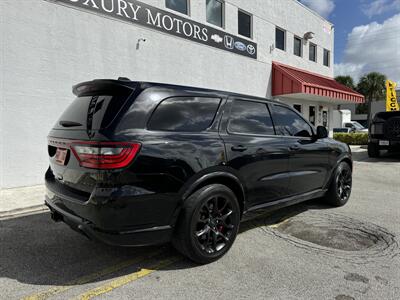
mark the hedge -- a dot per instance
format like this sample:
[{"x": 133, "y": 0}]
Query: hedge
[{"x": 352, "y": 138}]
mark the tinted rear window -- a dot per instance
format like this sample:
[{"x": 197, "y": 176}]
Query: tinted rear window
[
  {"x": 184, "y": 114},
  {"x": 91, "y": 112},
  {"x": 249, "y": 117}
]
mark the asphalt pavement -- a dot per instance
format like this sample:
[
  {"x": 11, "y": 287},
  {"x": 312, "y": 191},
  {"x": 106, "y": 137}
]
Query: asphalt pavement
[{"x": 309, "y": 251}]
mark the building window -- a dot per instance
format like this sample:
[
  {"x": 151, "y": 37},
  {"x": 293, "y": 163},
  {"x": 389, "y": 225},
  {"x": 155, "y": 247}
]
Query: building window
[
  {"x": 181, "y": 6},
  {"x": 327, "y": 57},
  {"x": 298, "y": 46},
  {"x": 245, "y": 24},
  {"x": 280, "y": 39},
  {"x": 215, "y": 12},
  {"x": 313, "y": 52},
  {"x": 298, "y": 107}
]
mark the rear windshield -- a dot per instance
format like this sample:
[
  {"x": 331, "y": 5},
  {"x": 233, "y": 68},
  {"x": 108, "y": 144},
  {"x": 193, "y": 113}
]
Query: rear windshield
[{"x": 91, "y": 112}]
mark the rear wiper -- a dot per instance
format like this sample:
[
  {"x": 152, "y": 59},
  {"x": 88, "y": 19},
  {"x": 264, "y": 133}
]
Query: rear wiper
[{"x": 69, "y": 124}]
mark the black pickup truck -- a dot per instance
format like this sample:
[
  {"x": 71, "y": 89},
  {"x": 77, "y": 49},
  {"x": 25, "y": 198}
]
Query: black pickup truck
[{"x": 384, "y": 133}]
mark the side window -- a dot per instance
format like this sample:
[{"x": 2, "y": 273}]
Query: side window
[
  {"x": 290, "y": 123},
  {"x": 249, "y": 117},
  {"x": 184, "y": 114}
]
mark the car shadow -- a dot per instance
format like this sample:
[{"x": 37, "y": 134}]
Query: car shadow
[
  {"x": 275, "y": 217},
  {"x": 37, "y": 251}
]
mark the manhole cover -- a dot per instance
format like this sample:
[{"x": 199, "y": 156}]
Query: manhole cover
[
  {"x": 331, "y": 236},
  {"x": 336, "y": 235}
]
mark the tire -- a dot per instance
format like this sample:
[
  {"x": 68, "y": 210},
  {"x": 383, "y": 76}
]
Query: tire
[
  {"x": 205, "y": 232},
  {"x": 373, "y": 150},
  {"x": 340, "y": 188}
]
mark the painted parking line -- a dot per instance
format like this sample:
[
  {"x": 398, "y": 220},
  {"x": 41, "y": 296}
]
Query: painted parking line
[
  {"x": 123, "y": 280},
  {"x": 91, "y": 277},
  {"x": 42, "y": 295},
  {"x": 23, "y": 212}
]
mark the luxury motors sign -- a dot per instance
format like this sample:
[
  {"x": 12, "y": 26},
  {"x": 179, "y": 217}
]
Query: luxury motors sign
[{"x": 151, "y": 17}]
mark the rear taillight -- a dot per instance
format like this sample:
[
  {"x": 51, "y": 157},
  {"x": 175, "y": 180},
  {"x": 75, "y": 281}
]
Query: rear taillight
[
  {"x": 377, "y": 128},
  {"x": 105, "y": 155}
]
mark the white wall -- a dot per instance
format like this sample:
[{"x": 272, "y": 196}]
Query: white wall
[
  {"x": 2, "y": 104},
  {"x": 296, "y": 19},
  {"x": 47, "y": 47},
  {"x": 340, "y": 117}
]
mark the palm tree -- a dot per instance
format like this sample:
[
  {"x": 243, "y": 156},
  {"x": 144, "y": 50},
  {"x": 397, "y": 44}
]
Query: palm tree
[
  {"x": 372, "y": 86},
  {"x": 346, "y": 80}
]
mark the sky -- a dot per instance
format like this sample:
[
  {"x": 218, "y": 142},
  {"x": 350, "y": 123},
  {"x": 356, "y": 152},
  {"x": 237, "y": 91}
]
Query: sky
[{"x": 367, "y": 35}]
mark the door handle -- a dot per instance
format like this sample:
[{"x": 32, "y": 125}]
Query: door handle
[
  {"x": 294, "y": 148},
  {"x": 239, "y": 148}
]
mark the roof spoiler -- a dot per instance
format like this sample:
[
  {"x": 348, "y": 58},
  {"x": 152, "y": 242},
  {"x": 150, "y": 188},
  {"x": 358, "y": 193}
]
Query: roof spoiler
[{"x": 102, "y": 85}]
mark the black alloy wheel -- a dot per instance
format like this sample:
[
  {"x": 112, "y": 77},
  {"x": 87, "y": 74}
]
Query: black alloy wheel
[
  {"x": 215, "y": 225},
  {"x": 208, "y": 224},
  {"x": 341, "y": 185},
  {"x": 344, "y": 183}
]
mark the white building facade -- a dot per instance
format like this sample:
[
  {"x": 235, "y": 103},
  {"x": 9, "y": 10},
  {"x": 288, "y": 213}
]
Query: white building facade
[{"x": 266, "y": 48}]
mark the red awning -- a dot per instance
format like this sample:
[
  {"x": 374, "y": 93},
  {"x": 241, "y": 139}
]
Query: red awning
[{"x": 287, "y": 81}]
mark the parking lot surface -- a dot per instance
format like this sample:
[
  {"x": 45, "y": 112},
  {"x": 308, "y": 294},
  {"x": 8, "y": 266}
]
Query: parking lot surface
[{"x": 308, "y": 251}]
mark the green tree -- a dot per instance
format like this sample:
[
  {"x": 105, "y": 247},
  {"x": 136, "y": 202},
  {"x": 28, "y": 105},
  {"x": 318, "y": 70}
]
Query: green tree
[
  {"x": 346, "y": 80},
  {"x": 362, "y": 109},
  {"x": 372, "y": 86}
]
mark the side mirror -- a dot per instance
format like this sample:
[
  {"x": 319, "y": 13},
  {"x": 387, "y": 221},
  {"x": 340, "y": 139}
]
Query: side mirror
[{"x": 322, "y": 133}]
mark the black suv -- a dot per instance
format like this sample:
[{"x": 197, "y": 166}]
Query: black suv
[
  {"x": 137, "y": 163},
  {"x": 384, "y": 133}
]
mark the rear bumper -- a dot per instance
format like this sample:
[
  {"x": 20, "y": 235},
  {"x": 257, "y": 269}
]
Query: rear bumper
[
  {"x": 137, "y": 237},
  {"x": 125, "y": 216},
  {"x": 392, "y": 143}
]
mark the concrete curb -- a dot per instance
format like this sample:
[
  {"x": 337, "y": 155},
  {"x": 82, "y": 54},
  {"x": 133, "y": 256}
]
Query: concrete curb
[
  {"x": 21, "y": 201},
  {"x": 20, "y": 212}
]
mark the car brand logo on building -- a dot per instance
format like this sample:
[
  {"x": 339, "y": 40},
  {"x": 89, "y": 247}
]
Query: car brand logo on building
[
  {"x": 216, "y": 38},
  {"x": 251, "y": 49},
  {"x": 240, "y": 46},
  {"x": 229, "y": 42},
  {"x": 142, "y": 14}
]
